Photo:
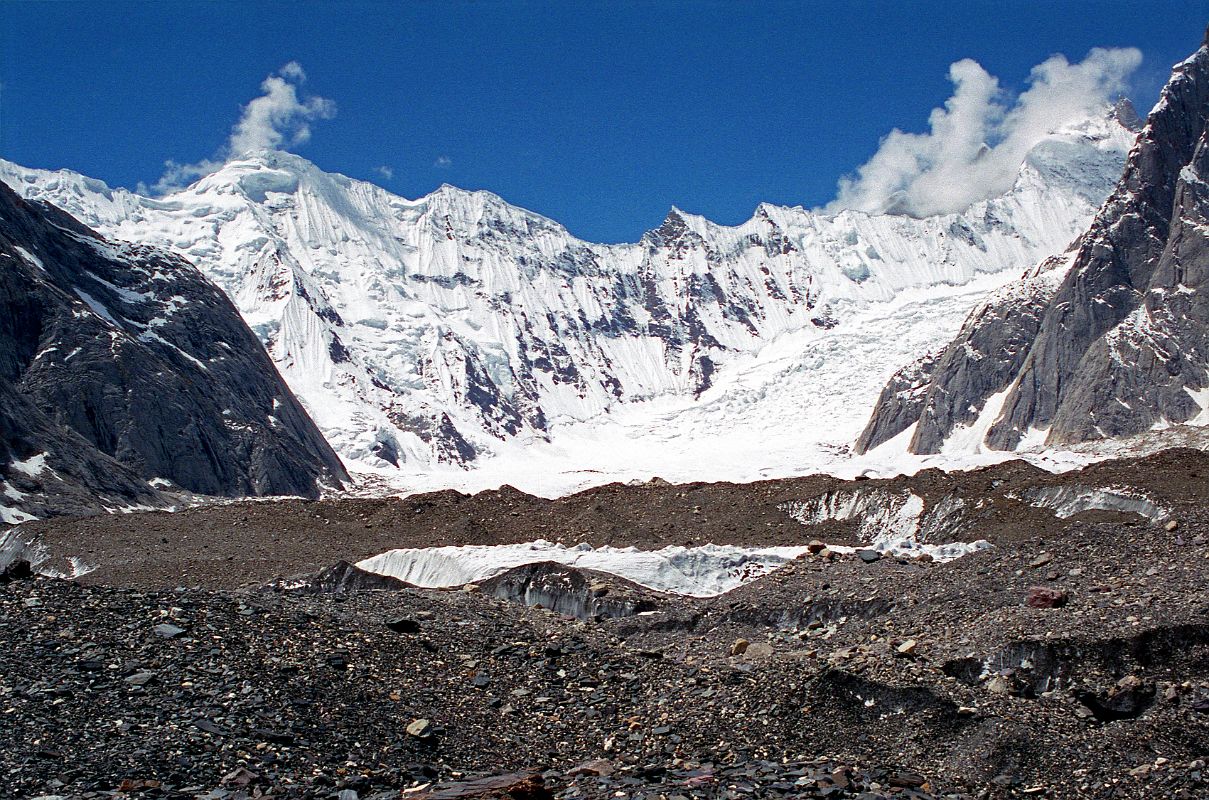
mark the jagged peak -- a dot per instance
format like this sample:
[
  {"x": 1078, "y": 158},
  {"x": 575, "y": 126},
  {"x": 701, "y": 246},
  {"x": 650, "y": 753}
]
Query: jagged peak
[
  {"x": 1123, "y": 112},
  {"x": 448, "y": 190},
  {"x": 473, "y": 204}
]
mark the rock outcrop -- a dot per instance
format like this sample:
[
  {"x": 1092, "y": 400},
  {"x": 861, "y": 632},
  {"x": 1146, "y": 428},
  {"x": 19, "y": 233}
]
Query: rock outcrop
[
  {"x": 1110, "y": 339},
  {"x": 124, "y": 371}
]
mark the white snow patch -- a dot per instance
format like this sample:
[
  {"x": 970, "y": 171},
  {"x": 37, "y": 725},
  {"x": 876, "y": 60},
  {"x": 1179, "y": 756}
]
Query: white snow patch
[
  {"x": 150, "y": 336},
  {"x": 1201, "y": 398},
  {"x": 972, "y": 438},
  {"x": 704, "y": 571},
  {"x": 14, "y": 516},
  {"x": 97, "y": 307},
  {"x": 32, "y": 466},
  {"x": 31, "y": 259}
]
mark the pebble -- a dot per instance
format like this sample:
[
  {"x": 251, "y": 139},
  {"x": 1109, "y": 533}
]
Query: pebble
[
  {"x": 167, "y": 630},
  {"x": 420, "y": 728}
]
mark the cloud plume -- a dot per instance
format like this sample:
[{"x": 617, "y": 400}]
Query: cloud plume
[
  {"x": 280, "y": 116},
  {"x": 977, "y": 142}
]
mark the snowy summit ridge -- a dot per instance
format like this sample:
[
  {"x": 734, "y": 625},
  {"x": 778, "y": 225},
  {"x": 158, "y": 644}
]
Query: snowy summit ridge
[{"x": 456, "y": 326}]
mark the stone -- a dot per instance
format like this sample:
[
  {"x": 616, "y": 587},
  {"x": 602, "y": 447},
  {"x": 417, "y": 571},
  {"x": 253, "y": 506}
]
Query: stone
[
  {"x": 239, "y": 777},
  {"x": 907, "y": 648},
  {"x": 596, "y": 767},
  {"x": 1043, "y": 597},
  {"x": 517, "y": 786},
  {"x": 140, "y": 678},
  {"x": 1041, "y": 560},
  {"x": 999, "y": 685},
  {"x": 1127, "y": 699},
  {"x": 17, "y": 570},
  {"x": 1171, "y": 525},
  {"x": 138, "y": 785},
  {"x": 599, "y": 589},
  {"x": 815, "y": 547},
  {"x": 420, "y": 728},
  {"x": 906, "y": 779},
  {"x": 403, "y": 625},
  {"x": 739, "y": 647},
  {"x": 167, "y": 630},
  {"x": 868, "y": 556}
]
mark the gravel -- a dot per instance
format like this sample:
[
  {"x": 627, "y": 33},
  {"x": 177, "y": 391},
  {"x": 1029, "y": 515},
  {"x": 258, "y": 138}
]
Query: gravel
[{"x": 834, "y": 677}]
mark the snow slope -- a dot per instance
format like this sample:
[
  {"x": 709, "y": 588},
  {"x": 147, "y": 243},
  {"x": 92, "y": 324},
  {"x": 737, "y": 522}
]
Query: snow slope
[{"x": 457, "y": 331}]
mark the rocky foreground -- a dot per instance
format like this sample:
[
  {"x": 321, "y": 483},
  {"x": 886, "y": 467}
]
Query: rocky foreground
[{"x": 1069, "y": 660}]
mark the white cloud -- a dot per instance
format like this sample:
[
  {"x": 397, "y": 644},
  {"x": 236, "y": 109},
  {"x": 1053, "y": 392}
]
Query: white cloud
[
  {"x": 293, "y": 71},
  {"x": 977, "y": 142},
  {"x": 443, "y": 161},
  {"x": 385, "y": 171},
  {"x": 278, "y": 118}
]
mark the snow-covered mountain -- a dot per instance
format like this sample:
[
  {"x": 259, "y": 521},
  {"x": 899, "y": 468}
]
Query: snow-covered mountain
[{"x": 456, "y": 326}]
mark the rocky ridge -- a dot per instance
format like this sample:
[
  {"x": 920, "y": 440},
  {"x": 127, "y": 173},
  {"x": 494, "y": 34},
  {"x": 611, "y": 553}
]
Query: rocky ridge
[
  {"x": 125, "y": 373},
  {"x": 1103, "y": 342}
]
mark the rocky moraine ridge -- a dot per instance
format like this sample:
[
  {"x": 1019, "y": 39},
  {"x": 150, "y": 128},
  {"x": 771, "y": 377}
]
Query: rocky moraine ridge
[{"x": 1069, "y": 659}]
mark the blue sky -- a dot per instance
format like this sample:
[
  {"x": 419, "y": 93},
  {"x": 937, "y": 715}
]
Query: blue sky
[{"x": 599, "y": 115}]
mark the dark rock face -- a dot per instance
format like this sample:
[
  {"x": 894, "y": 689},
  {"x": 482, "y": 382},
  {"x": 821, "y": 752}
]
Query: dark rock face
[
  {"x": 341, "y": 577},
  {"x": 575, "y": 592},
  {"x": 121, "y": 363},
  {"x": 1113, "y": 345}
]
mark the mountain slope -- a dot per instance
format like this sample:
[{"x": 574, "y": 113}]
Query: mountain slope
[
  {"x": 121, "y": 364},
  {"x": 444, "y": 328},
  {"x": 1109, "y": 340}
]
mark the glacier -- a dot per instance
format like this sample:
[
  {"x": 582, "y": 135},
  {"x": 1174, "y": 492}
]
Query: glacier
[{"x": 456, "y": 340}]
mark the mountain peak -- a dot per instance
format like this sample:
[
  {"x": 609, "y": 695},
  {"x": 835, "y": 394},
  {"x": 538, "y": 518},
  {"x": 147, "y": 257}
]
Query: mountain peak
[{"x": 1124, "y": 113}]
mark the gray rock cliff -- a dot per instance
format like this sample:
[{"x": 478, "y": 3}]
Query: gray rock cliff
[
  {"x": 121, "y": 364},
  {"x": 1109, "y": 340}
]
